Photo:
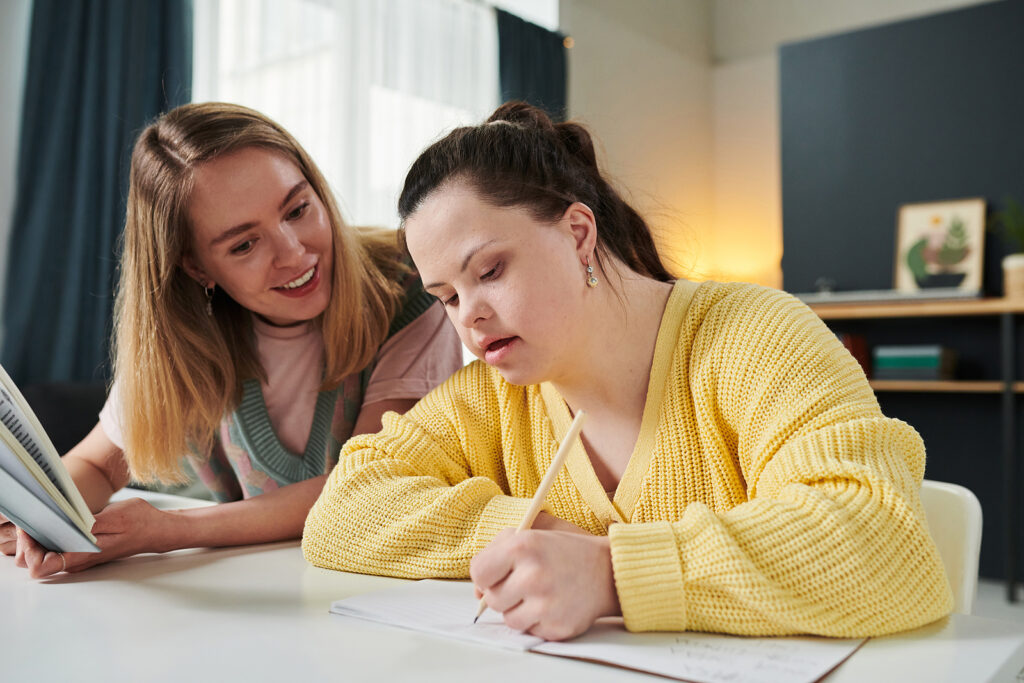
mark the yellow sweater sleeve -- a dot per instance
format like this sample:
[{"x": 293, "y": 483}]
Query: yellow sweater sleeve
[
  {"x": 829, "y": 536},
  {"x": 424, "y": 495}
]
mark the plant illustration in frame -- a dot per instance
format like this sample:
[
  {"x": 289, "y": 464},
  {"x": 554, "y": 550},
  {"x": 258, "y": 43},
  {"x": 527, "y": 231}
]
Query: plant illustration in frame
[{"x": 940, "y": 245}]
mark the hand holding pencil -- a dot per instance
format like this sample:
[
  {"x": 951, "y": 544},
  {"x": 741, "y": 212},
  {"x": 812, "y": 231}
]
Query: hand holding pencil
[{"x": 545, "y": 485}]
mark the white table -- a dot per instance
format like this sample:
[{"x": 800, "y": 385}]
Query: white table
[{"x": 259, "y": 613}]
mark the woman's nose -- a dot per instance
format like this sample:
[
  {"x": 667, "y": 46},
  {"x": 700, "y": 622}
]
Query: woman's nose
[
  {"x": 288, "y": 248},
  {"x": 473, "y": 310}
]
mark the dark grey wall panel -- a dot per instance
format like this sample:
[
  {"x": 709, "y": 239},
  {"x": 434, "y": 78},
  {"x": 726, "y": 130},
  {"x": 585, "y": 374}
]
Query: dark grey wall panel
[{"x": 922, "y": 110}]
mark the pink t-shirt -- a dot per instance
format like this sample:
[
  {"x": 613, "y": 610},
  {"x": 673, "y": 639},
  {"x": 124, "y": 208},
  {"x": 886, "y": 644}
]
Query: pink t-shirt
[{"x": 408, "y": 365}]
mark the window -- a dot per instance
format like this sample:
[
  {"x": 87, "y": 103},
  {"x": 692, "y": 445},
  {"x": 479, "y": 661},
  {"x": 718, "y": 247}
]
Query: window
[{"x": 364, "y": 85}]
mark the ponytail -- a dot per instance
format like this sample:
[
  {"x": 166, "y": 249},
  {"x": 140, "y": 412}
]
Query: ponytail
[{"x": 519, "y": 157}]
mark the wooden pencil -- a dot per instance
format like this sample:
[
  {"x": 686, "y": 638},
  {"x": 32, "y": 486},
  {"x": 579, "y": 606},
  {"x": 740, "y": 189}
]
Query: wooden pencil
[{"x": 545, "y": 485}]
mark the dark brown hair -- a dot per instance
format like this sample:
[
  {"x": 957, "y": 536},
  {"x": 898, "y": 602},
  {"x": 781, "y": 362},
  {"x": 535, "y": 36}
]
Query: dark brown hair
[{"x": 520, "y": 158}]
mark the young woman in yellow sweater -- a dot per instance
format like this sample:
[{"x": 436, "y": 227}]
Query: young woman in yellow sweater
[{"x": 735, "y": 473}]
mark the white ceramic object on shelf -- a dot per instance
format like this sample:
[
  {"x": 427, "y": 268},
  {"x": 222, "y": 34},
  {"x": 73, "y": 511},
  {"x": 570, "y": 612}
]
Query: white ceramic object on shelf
[{"x": 1013, "y": 276}]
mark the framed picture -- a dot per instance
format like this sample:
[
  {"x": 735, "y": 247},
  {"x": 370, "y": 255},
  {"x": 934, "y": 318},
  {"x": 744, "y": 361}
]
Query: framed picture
[{"x": 940, "y": 245}]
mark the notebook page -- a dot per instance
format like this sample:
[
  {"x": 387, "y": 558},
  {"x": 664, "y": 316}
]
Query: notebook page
[
  {"x": 443, "y": 608},
  {"x": 447, "y": 608},
  {"x": 709, "y": 658}
]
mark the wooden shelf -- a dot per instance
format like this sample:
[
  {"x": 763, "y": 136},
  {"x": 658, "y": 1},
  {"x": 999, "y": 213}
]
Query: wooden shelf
[
  {"x": 917, "y": 309},
  {"x": 933, "y": 386}
]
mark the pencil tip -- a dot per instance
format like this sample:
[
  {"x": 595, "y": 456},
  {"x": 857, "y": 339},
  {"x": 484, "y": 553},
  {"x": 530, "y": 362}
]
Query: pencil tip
[{"x": 476, "y": 618}]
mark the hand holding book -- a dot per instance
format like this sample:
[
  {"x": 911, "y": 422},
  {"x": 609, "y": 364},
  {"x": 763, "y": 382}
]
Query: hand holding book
[
  {"x": 36, "y": 491},
  {"x": 122, "y": 528}
]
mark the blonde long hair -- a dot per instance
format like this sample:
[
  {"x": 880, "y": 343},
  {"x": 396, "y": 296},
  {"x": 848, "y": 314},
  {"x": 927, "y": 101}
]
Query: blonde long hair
[{"x": 180, "y": 370}]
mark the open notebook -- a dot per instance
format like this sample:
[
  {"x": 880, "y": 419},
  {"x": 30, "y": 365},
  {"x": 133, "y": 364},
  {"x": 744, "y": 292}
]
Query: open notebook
[{"x": 447, "y": 608}]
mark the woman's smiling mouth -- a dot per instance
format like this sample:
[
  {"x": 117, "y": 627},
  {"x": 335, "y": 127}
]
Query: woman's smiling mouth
[
  {"x": 301, "y": 285},
  {"x": 301, "y": 280}
]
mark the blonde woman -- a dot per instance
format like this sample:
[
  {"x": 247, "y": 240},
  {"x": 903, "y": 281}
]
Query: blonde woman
[
  {"x": 735, "y": 473},
  {"x": 255, "y": 332}
]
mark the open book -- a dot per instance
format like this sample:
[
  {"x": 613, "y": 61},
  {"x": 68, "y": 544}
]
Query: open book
[
  {"x": 447, "y": 608},
  {"x": 36, "y": 491}
]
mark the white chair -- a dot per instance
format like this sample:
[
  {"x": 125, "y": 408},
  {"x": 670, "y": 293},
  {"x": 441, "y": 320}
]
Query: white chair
[{"x": 954, "y": 518}]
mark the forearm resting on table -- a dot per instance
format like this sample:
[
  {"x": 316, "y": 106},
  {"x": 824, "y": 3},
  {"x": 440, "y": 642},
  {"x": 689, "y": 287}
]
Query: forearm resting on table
[{"x": 274, "y": 516}]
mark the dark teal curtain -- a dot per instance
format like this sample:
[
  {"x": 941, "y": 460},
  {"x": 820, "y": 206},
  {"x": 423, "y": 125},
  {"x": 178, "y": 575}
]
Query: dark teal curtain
[
  {"x": 98, "y": 71},
  {"x": 531, "y": 64}
]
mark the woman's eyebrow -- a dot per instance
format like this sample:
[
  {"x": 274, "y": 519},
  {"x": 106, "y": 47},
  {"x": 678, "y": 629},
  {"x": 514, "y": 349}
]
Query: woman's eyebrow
[
  {"x": 299, "y": 187},
  {"x": 242, "y": 227},
  {"x": 465, "y": 262}
]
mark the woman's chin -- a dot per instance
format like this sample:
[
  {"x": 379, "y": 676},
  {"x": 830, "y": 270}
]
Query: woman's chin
[{"x": 519, "y": 376}]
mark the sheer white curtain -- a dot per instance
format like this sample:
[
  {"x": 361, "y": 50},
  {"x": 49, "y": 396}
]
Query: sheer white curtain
[{"x": 364, "y": 85}]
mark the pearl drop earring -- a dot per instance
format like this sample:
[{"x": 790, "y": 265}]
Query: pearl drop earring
[{"x": 591, "y": 280}]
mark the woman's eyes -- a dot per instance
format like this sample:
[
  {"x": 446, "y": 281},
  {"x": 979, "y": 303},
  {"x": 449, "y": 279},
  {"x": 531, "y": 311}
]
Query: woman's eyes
[
  {"x": 243, "y": 247},
  {"x": 491, "y": 274},
  {"x": 297, "y": 212},
  {"x": 293, "y": 215}
]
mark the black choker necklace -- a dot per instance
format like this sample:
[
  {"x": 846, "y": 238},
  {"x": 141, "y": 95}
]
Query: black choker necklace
[{"x": 273, "y": 324}]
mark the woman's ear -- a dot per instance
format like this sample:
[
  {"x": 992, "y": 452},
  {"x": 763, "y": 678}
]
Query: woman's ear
[
  {"x": 195, "y": 271},
  {"x": 583, "y": 226}
]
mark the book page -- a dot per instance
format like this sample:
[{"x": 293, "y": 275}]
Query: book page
[
  {"x": 17, "y": 463},
  {"x": 443, "y": 608},
  {"x": 37, "y": 444},
  {"x": 50, "y": 529},
  {"x": 12, "y": 417},
  {"x": 447, "y": 608},
  {"x": 27, "y": 473}
]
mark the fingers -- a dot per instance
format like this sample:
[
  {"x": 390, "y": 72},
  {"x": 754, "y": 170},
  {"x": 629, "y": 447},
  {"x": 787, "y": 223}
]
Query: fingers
[
  {"x": 492, "y": 564},
  {"x": 76, "y": 562},
  {"x": 41, "y": 562},
  {"x": 52, "y": 563},
  {"x": 510, "y": 592},
  {"x": 504, "y": 570},
  {"x": 111, "y": 519},
  {"x": 8, "y": 538},
  {"x": 38, "y": 560},
  {"x": 552, "y": 584}
]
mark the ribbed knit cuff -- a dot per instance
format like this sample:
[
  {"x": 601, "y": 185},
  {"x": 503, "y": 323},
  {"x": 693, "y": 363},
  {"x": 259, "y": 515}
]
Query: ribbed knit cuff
[
  {"x": 502, "y": 512},
  {"x": 648, "y": 576}
]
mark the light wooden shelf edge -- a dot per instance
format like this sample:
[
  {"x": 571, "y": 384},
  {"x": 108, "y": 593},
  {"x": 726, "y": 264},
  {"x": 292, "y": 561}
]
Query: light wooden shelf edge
[
  {"x": 917, "y": 309},
  {"x": 934, "y": 386}
]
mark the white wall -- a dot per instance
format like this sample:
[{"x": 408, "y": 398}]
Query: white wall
[
  {"x": 684, "y": 96},
  {"x": 747, "y": 179},
  {"x": 752, "y": 28},
  {"x": 14, "y": 28},
  {"x": 640, "y": 76}
]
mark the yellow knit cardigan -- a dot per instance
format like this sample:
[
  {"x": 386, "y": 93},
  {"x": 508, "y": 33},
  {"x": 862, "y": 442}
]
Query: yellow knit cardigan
[{"x": 767, "y": 494}]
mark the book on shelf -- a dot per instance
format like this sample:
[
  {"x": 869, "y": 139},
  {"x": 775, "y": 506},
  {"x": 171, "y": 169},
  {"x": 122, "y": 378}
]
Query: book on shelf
[
  {"x": 922, "y": 362},
  {"x": 36, "y": 491},
  {"x": 857, "y": 345}
]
